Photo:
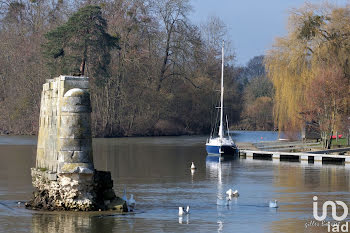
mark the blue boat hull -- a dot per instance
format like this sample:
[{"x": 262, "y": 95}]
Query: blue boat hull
[{"x": 227, "y": 152}]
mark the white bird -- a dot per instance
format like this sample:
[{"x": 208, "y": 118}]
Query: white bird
[
  {"x": 182, "y": 211},
  {"x": 231, "y": 193},
  {"x": 273, "y": 204},
  {"x": 131, "y": 203},
  {"x": 193, "y": 167},
  {"x": 19, "y": 204},
  {"x": 124, "y": 195}
]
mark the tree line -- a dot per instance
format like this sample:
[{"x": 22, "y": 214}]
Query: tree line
[
  {"x": 310, "y": 70},
  {"x": 152, "y": 71}
]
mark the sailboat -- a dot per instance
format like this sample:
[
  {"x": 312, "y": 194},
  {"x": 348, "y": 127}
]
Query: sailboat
[{"x": 221, "y": 147}]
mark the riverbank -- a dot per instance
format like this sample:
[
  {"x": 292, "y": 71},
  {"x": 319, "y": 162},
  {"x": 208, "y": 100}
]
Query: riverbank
[{"x": 147, "y": 134}]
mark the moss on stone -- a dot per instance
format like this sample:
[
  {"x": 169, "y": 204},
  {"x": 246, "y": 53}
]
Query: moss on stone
[{"x": 42, "y": 169}]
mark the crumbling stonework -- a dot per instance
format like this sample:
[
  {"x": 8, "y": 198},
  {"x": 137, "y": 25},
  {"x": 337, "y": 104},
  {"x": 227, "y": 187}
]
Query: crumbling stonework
[{"x": 64, "y": 177}]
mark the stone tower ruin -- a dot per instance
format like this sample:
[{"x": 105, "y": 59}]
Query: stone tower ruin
[{"x": 64, "y": 176}]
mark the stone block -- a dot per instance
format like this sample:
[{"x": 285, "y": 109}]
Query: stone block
[
  {"x": 68, "y": 84},
  {"x": 40, "y": 153},
  {"x": 75, "y": 132},
  {"x": 75, "y": 108},
  {"x": 75, "y": 126},
  {"x": 46, "y": 87},
  {"x": 55, "y": 93},
  {"x": 68, "y": 144},
  {"x": 76, "y": 101},
  {"x": 75, "y": 156},
  {"x": 51, "y": 176},
  {"x": 84, "y": 168},
  {"x": 54, "y": 85},
  {"x": 75, "y": 119},
  {"x": 48, "y": 96},
  {"x": 68, "y": 77},
  {"x": 41, "y": 139},
  {"x": 73, "y": 113}
]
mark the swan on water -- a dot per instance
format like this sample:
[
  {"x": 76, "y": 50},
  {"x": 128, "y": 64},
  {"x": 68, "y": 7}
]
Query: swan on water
[
  {"x": 273, "y": 204},
  {"x": 131, "y": 203},
  {"x": 232, "y": 193},
  {"x": 183, "y": 211},
  {"x": 193, "y": 167}
]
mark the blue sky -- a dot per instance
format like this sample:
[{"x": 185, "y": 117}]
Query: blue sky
[{"x": 252, "y": 24}]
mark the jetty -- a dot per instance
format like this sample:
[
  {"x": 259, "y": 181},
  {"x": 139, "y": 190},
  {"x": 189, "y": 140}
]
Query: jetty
[
  {"x": 308, "y": 157},
  {"x": 287, "y": 151}
]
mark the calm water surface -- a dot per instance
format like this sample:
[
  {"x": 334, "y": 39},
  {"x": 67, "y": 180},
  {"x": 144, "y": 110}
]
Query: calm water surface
[{"x": 156, "y": 170}]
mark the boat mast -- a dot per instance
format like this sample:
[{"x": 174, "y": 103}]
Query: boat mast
[{"x": 221, "y": 129}]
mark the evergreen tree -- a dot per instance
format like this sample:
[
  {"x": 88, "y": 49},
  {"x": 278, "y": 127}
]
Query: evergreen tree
[{"x": 80, "y": 45}]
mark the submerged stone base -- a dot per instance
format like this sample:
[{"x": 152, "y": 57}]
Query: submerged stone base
[{"x": 88, "y": 190}]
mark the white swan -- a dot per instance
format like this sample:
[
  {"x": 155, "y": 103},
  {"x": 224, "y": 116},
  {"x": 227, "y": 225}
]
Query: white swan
[
  {"x": 183, "y": 212},
  {"x": 193, "y": 167},
  {"x": 273, "y": 204},
  {"x": 232, "y": 193},
  {"x": 131, "y": 203}
]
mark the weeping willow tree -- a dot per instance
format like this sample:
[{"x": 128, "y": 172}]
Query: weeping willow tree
[{"x": 301, "y": 67}]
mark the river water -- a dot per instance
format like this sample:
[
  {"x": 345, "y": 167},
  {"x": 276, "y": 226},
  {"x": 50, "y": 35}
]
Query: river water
[{"x": 157, "y": 171}]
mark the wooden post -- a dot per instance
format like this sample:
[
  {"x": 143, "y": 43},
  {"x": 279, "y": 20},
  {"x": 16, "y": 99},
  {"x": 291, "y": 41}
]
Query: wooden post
[
  {"x": 324, "y": 140},
  {"x": 336, "y": 136}
]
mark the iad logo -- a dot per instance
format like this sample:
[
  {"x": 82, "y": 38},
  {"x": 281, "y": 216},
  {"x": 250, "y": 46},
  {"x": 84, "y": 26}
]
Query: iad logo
[
  {"x": 334, "y": 210},
  {"x": 335, "y": 226}
]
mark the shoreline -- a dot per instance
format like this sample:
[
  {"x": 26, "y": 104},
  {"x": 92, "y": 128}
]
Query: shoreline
[{"x": 148, "y": 135}]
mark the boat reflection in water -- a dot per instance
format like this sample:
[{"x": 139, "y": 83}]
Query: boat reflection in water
[
  {"x": 218, "y": 171},
  {"x": 216, "y": 158}
]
